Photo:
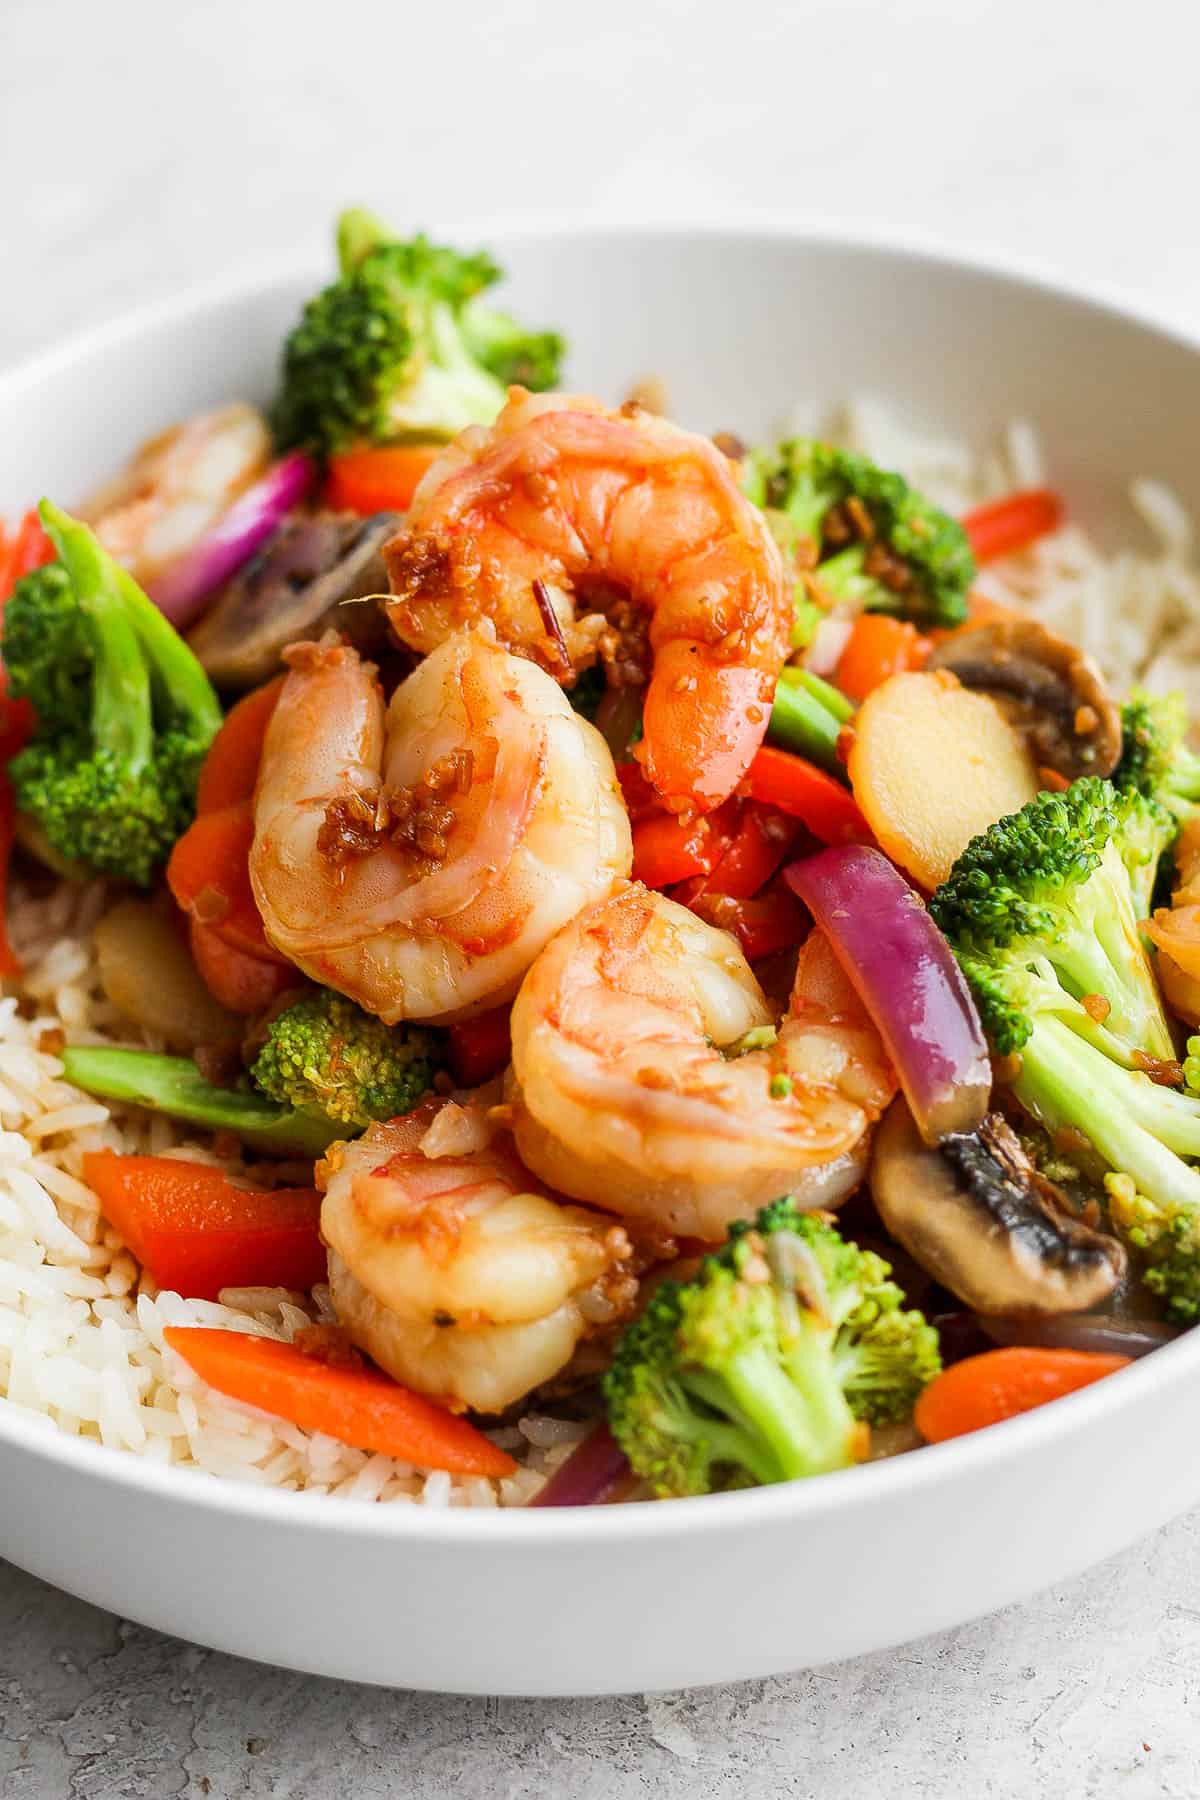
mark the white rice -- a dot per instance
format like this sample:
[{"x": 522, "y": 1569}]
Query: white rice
[
  {"x": 81, "y": 1327},
  {"x": 1137, "y": 613}
]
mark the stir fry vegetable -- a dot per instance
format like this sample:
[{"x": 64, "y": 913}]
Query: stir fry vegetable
[
  {"x": 1043, "y": 914},
  {"x": 174, "y": 1086},
  {"x": 769, "y": 1363},
  {"x": 907, "y": 979},
  {"x": 198, "y": 1232},
  {"x": 399, "y": 346},
  {"x": 1002, "y": 527},
  {"x": 356, "y": 1405},
  {"x": 125, "y": 712},
  {"x": 1156, "y": 759},
  {"x": 868, "y": 538},
  {"x": 378, "y": 480},
  {"x": 931, "y": 765},
  {"x": 324, "y": 1055},
  {"x": 181, "y": 590},
  {"x": 999, "y": 1384}
]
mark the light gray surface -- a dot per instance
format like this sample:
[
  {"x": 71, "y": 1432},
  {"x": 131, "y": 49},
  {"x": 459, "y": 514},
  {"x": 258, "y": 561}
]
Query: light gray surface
[
  {"x": 144, "y": 146},
  {"x": 1086, "y": 1693}
]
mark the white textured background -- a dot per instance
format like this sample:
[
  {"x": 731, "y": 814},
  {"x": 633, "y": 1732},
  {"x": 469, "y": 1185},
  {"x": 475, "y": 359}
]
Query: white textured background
[{"x": 148, "y": 145}]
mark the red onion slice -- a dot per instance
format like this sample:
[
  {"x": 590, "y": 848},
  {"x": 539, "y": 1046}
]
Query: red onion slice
[
  {"x": 1081, "y": 1331},
  {"x": 180, "y": 591},
  {"x": 904, "y": 972},
  {"x": 594, "y": 1469}
]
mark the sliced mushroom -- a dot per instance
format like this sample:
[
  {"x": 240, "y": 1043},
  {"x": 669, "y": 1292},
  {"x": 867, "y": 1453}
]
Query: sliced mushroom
[
  {"x": 1051, "y": 690},
  {"x": 295, "y": 587},
  {"x": 977, "y": 1215}
]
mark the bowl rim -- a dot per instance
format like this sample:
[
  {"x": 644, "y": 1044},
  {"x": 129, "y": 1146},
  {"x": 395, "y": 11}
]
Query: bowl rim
[{"x": 938, "y": 1464}]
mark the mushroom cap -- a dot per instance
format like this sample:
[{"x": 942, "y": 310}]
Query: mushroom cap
[
  {"x": 1051, "y": 690},
  {"x": 291, "y": 590},
  {"x": 975, "y": 1213}
]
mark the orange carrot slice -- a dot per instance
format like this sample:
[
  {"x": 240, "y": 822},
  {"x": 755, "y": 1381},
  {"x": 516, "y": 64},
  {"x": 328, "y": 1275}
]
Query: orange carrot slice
[
  {"x": 997, "y": 1385},
  {"x": 357, "y": 1406}
]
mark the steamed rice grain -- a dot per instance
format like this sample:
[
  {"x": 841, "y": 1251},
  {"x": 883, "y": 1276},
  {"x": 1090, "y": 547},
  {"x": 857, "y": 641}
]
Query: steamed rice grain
[{"x": 81, "y": 1327}]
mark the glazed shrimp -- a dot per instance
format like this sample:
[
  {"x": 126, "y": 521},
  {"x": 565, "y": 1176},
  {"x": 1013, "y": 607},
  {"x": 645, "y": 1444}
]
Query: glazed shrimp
[
  {"x": 418, "y": 858},
  {"x": 1175, "y": 930},
  {"x": 563, "y": 502},
  {"x": 454, "y": 1270},
  {"x": 621, "y": 1094},
  {"x": 176, "y": 488}
]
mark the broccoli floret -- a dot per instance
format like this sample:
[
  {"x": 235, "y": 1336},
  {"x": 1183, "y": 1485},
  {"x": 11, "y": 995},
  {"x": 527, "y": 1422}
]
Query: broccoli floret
[
  {"x": 515, "y": 356},
  {"x": 1042, "y": 913},
  {"x": 866, "y": 536},
  {"x": 1165, "y": 1236},
  {"x": 768, "y": 1364},
  {"x": 324, "y": 1054},
  {"x": 1046, "y": 904},
  {"x": 1155, "y": 760},
  {"x": 398, "y": 346},
  {"x": 47, "y": 646},
  {"x": 125, "y": 711}
]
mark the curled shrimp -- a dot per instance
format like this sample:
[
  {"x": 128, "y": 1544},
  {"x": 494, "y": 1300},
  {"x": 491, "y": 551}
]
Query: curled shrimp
[
  {"x": 623, "y": 1093},
  {"x": 418, "y": 857},
  {"x": 1175, "y": 930},
  {"x": 562, "y": 504},
  {"x": 177, "y": 486},
  {"x": 454, "y": 1270}
]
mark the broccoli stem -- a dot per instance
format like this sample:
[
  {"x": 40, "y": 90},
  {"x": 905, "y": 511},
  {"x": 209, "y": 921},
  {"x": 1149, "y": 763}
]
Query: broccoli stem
[
  {"x": 173, "y": 1085},
  {"x": 798, "y": 1414},
  {"x": 187, "y": 688},
  {"x": 122, "y": 714},
  {"x": 1104, "y": 956},
  {"x": 800, "y": 722},
  {"x": 1137, "y": 1128}
]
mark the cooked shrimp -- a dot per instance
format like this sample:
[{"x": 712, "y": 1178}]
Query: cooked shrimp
[
  {"x": 627, "y": 1090},
  {"x": 417, "y": 859},
  {"x": 562, "y": 503},
  {"x": 176, "y": 488},
  {"x": 1175, "y": 930},
  {"x": 454, "y": 1270}
]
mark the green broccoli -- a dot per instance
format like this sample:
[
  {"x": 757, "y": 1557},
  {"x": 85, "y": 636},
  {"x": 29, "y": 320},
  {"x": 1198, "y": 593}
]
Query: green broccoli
[
  {"x": 399, "y": 346},
  {"x": 864, "y": 534},
  {"x": 174, "y": 1086},
  {"x": 1042, "y": 911},
  {"x": 769, "y": 1363},
  {"x": 1155, "y": 759},
  {"x": 325, "y": 1055},
  {"x": 48, "y": 646},
  {"x": 125, "y": 711}
]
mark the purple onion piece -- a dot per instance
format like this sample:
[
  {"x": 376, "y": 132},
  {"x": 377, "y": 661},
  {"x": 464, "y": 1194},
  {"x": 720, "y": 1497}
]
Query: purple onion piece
[
  {"x": 960, "y": 1334},
  {"x": 904, "y": 972},
  {"x": 589, "y": 1475},
  {"x": 617, "y": 718},
  {"x": 181, "y": 590},
  {"x": 1081, "y": 1331}
]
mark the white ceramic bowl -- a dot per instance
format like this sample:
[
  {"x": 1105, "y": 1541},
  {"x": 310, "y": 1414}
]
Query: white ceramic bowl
[{"x": 634, "y": 1597}]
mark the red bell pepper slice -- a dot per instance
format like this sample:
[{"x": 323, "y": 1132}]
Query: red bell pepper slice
[
  {"x": 799, "y": 788},
  {"x": 481, "y": 1047},
  {"x": 197, "y": 1231},
  {"x": 1004, "y": 526}
]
